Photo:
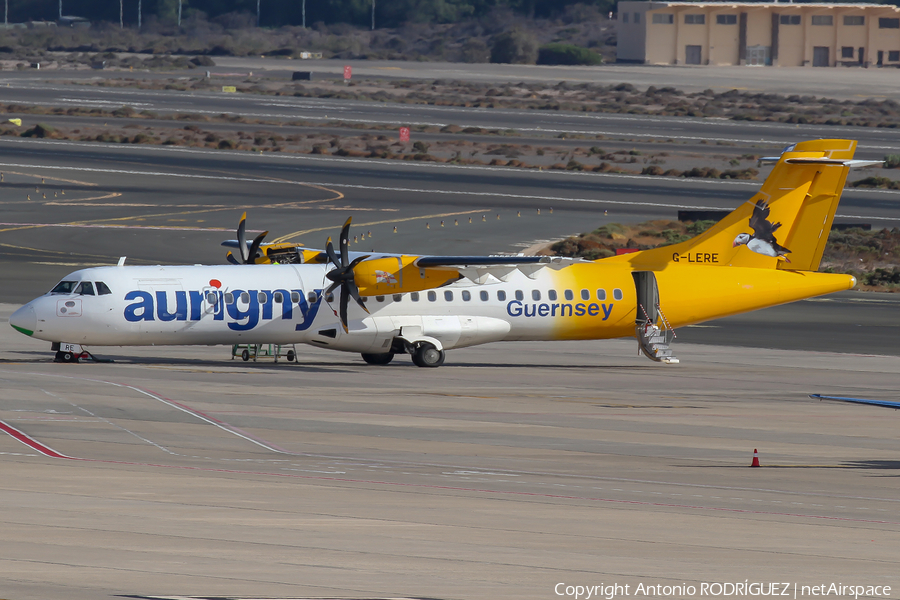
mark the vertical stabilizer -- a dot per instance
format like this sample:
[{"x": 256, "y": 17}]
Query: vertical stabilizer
[{"x": 784, "y": 225}]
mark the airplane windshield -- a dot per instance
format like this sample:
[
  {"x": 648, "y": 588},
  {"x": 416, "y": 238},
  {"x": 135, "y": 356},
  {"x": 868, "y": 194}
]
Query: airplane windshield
[
  {"x": 64, "y": 287},
  {"x": 86, "y": 288}
]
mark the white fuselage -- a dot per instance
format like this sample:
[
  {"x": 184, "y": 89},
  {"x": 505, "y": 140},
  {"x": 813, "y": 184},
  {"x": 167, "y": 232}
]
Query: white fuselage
[{"x": 283, "y": 304}]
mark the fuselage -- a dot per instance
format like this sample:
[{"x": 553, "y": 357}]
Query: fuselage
[{"x": 284, "y": 304}]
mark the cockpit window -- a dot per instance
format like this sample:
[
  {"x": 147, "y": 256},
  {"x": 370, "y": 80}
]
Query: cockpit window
[
  {"x": 85, "y": 288},
  {"x": 64, "y": 287},
  {"x": 102, "y": 289}
]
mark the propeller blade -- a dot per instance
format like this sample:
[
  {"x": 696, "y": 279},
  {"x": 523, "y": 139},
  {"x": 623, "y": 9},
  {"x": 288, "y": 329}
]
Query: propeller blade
[
  {"x": 345, "y": 242},
  {"x": 232, "y": 259},
  {"x": 242, "y": 237},
  {"x": 345, "y": 300},
  {"x": 331, "y": 288},
  {"x": 354, "y": 293},
  {"x": 254, "y": 248},
  {"x": 329, "y": 250}
]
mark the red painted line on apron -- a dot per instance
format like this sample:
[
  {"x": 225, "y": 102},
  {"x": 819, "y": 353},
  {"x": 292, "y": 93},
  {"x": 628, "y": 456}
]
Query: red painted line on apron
[{"x": 31, "y": 442}]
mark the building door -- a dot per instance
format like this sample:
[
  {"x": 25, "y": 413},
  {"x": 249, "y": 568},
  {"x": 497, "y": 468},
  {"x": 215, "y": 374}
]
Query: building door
[
  {"x": 757, "y": 56},
  {"x": 862, "y": 55},
  {"x": 692, "y": 55},
  {"x": 880, "y": 57},
  {"x": 820, "y": 56}
]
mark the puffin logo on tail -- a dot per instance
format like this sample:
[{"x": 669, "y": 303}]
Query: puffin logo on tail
[{"x": 762, "y": 241}]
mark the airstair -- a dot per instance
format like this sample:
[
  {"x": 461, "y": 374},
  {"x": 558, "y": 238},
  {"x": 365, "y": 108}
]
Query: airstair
[{"x": 654, "y": 341}]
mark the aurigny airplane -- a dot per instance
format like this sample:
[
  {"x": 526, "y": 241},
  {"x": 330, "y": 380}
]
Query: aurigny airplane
[{"x": 765, "y": 252}]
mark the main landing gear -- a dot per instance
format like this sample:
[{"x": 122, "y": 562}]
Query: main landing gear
[{"x": 424, "y": 354}]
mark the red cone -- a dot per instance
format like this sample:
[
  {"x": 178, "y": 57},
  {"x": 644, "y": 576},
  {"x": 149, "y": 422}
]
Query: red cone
[{"x": 755, "y": 462}]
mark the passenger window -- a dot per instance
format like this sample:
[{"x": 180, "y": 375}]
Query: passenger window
[
  {"x": 64, "y": 287},
  {"x": 277, "y": 297},
  {"x": 311, "y": 297},
  {"x": 535, "y": 295},
  {"x": 466, "y": 296},
  {"x": 519, "y": 295},
  {"x": 295, "y": 297},
  {"x": 601, "y": 295},
  {"x": 483, "y": 295},
  {"x": 261, "y": 297},
  {"x": 551, "y": 294},
  {"x": 102, "y": 289},
  {"x": 245, "y": 297},
  {"x": 448, "y": 296},
  {"x": 432, "y": 296},
  {"x": 585, "y": 295},
  {"x": 229, "y": 298},
  {"x": 397, "y": 297},
  {"x": 85, "y": 288},
  {"x": 569, "y": 295},
  {"x": 212, "y": 298},
  {"x": 414, "y": 296},
  {"x": 617, "y": 294},
  {"x": 379, "y": 298},
  {"x": 501, "y": 295}
]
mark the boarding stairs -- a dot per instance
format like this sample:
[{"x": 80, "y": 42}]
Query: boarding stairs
[{"x": 654, "y": 341}]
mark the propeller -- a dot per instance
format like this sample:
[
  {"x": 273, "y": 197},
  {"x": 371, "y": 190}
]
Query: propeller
[
  {"x": 248, "y": 257},
  {"x": 342, "y": 274}
]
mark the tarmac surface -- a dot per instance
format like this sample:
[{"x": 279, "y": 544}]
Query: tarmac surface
[
  {"x": 176, "y": 472},
  {"x": 179, "y": 472}
]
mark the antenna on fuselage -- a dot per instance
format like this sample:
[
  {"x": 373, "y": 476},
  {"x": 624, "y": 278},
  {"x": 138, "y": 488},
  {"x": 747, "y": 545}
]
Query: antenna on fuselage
[{"x": 121, "y": 262}]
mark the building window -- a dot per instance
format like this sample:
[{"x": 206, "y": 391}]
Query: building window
[
  {"x": 789, "y": 19},
  {"x": 663, "y": 19},
  {"x": 624, "y": 17},
  {"x": 893, "y": 55},
  {"x": 694, "y": 19},
  {"x": 823, "y": 20},
  {"x": 847, "y": 52},
  {"x": 726, "y": 19},
  {"x": 637, "y": 18},
  {"x": 850, "y": 20},
  {"x": 888, "y": 23}
]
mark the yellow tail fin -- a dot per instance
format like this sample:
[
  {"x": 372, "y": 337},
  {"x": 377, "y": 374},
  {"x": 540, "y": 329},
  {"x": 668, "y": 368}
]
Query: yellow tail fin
[{"x": 784, "y": 225}]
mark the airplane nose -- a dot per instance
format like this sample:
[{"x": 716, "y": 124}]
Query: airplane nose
[{"x": 24, "y": 320}]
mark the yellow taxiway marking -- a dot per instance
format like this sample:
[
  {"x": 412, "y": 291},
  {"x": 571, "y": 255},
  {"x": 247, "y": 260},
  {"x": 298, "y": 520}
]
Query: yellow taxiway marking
[
  {"x": 286, "y": 238},
  {"x": 51, "y": 177}
]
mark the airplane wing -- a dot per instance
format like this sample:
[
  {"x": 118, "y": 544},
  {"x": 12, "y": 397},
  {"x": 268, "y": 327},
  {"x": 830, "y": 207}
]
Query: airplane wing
[{"x": 883, "y": 403}]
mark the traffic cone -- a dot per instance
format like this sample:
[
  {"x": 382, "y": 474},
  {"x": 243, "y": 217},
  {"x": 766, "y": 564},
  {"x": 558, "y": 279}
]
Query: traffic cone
[{"x": 755, "y": 462}]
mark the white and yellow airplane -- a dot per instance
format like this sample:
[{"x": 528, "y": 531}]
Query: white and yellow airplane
[{"x": 766, "y": 252}]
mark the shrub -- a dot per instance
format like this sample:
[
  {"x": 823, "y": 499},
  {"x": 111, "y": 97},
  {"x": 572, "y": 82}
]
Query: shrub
[
  {"x": 40, "y": 131},
  {"x": 892, "y": 161},
  {"x": 514, "y": 46},
  {"x": 567, "y": 54}
]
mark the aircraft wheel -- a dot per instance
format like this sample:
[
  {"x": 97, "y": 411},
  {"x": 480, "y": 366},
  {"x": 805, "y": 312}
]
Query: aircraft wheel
[
  {"x": 245, "y": 355},
  {"x": 291, "y": 356},
  {"x": 66, "y": 357},
  {"x": 426, "y": 355},
  {"x": 378, "y": 359}
]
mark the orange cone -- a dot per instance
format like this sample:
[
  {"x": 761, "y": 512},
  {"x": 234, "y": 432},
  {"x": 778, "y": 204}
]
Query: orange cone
[{"x": 755, "y": 462}]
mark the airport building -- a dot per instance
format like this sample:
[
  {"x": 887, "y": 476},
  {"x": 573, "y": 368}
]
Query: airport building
[{"x": 759, "y": 33}]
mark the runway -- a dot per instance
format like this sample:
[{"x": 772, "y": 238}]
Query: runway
[
  {"x": 875, "y": 142},
  {"x": 511, "y": 469}
]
